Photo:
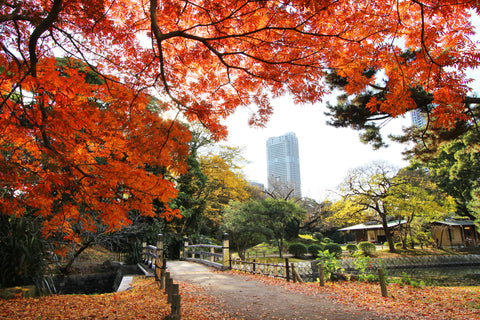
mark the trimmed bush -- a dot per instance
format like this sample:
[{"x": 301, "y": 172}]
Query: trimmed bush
[
  {"x": 352, "y": 248},
  {"x": 297, "y": 249},
  {"x": 318, "y": 236},
  {"x": 367, "y": 248},
  {"x": 327, "y": 240},
  {"x": 313, "y": 249},
  {"x": 334, "y": 248}
]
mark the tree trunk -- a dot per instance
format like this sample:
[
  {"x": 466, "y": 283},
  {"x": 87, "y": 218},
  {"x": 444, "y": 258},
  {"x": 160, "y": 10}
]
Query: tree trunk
[
  {"x": 66, "y": 268},
  {"x": 388, "y": 235}
]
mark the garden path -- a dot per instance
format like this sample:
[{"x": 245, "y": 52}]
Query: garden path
[{"x": 244, "y": 298}]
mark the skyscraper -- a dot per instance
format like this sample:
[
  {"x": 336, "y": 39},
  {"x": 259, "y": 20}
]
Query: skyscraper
[
  {"x": 418, "y": 118},
  {"x": 283, "y": 164}
]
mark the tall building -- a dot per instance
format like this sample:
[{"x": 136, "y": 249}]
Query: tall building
[
  {"x": 418, "y": 118},
  {"x": 283, "y": 164}
]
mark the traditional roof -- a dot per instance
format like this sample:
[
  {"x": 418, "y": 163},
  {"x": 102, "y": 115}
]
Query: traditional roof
[
  {"x": 366, "y": 226},
  {"x": 453, "y": 222}
]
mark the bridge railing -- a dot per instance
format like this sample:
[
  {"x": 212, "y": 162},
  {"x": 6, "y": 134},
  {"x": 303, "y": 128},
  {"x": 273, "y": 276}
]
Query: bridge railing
[
  {"x": 284, "y": 270},
  {"x": 154, "y": 258},
  {"x": 212, "y": 255}
]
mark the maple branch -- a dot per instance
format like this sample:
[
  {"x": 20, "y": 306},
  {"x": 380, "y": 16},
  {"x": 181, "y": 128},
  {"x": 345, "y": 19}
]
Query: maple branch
[
  {"x": 39, "y": 30},
  {"x": 13, "y": 15},
  {"x": 422, "y": 36},
  {"x": 160, "y": 37}
]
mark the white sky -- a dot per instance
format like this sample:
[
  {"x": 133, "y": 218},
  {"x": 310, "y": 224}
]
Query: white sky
[{"x": 326, "y": 153}]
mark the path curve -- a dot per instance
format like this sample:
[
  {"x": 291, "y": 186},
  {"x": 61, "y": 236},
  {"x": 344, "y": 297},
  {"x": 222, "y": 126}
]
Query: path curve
[{"x": 249, "y": 299}]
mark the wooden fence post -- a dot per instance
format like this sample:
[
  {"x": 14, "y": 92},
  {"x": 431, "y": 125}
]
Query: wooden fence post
[
  {"x": 163, "y": 281},
  {"x": 175, "y": 302},
  {"x": 168, "y": 284},
  {"x": 159, "y": 260},
  {"x": 295, "y": 274},
  {"x": 185, "y": 248},
  {"x": 383, "y": 282},
  {"x": 144, "y": 251},
  {"x": 225, "y": 251},
  {"x": 287, "y": 270},
  {"x": 321, "y": 275}
]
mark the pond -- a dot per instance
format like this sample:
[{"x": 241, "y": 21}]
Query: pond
[{"x": 441, "y": 276}]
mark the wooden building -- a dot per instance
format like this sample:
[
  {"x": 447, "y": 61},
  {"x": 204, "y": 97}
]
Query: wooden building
[
  {"x": 455, "y": 233},
  {"x": 372, "y": 231}
]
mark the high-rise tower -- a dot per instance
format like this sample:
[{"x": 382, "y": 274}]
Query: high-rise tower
[
  {"x": 418, "y": 118},
  {"x": 283, "y": 164}
]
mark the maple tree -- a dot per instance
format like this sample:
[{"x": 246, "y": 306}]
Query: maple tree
[
  {"x": 80, "y": 154},
  {"x": 77, "y": 152}
]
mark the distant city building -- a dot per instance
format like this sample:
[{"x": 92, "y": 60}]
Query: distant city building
[
  {"x": 258, "y": 185},
  {"x": 418, "y": 118},
  {"x": 283, "y": 164}
]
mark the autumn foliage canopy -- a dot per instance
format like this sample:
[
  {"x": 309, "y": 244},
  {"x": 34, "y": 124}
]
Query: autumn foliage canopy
[{"x": 79, "y": 152}]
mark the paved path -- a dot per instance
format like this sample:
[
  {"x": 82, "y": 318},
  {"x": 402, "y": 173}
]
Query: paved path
[{"x": 253, "y": 300}]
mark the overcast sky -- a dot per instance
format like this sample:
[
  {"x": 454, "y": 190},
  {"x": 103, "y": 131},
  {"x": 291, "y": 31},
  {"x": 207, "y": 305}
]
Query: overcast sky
[{"x": 326, "y": 153}]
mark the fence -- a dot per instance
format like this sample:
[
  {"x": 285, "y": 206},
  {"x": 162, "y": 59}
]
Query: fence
[
  {"x": 215, "y": 256},
  {"x": 284, "y": 270},
  {"x": 309, "y": 272},
  {"x": 154, "y": 257}
]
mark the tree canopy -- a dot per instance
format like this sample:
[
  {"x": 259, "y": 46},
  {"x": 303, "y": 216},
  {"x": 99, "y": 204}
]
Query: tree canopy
[
  {"x": 381, "y": 192},
  {"x": 80, "y": 152},
  {"x": 455, "y": 168}
]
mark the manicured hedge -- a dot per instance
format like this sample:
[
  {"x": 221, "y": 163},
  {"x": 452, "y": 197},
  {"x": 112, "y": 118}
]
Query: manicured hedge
[
  {"x": 367, "y": 248},
  {"x": 297, "y": 249}
]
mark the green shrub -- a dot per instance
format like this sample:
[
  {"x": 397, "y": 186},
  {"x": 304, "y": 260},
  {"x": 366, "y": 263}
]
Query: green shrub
[
  {"x": 330, "y": 264},
  {"x": 352, "y": 248},
  {"x": 334, "y": 248},
  {"x": 134, "y": 253},
  {"x": 297, "y": 249},
  {"x": 23, "y": 251},
  {"x": 318, "y": 236},
  {"x": 327, "y": 240},
  {"x": 314, "y": 249},
  {"x": 367, "y": 248}
]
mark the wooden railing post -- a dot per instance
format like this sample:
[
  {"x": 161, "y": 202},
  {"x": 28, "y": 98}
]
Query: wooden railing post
[
  {"x": 212, "y": 257},
  {"x": 144, "y": 251},
  {"x": 383, "y": 282},
  {"x": 159, "y": 261},
  {"x": 185, "y": 248},
  {"x": 225, "y": 251},
  {"x": 321, "y": 275},
  {"x": 287, "y": 270}
]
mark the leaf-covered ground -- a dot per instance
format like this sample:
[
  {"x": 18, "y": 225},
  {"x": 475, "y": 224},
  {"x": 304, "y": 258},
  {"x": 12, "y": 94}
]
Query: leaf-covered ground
[
  {"x": 145, "y": 300},
  {"x": 404, "y": 302}
]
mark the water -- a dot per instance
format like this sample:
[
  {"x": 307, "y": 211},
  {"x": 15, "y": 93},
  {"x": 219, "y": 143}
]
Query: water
[{"x": 441, "y": 276}]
